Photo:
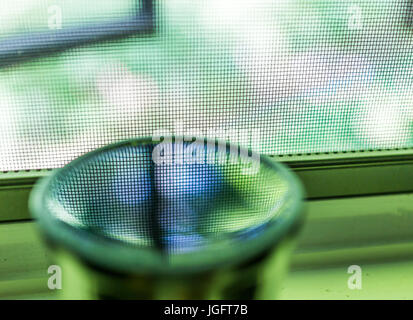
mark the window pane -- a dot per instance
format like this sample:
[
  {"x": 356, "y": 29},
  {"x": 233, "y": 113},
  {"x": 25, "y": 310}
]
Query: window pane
[
  {"x": 282, "y": 77},
  {"x": 23, "y": 16}
]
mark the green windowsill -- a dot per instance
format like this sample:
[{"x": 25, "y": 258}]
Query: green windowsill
[
  {"x": 318, "y": 271},
  {"x": 380, "y": 281},
  {"x": 315, "y": 275},
  {"x": 391, "y": 280}
]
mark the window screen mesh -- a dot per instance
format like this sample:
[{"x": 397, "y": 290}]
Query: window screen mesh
[
  {"x": 210, "y": 203},
  {"x": 280, "y": 76},
  {"x": 24, "y": 16}
]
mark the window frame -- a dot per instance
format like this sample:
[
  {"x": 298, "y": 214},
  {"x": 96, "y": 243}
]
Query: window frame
[
  {"x": 23, "y": 48},
  {"x": 325, "y": 176}
]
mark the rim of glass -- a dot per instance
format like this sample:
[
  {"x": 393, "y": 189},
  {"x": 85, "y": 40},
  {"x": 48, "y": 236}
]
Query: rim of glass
[{"x": 118, "y": 256}]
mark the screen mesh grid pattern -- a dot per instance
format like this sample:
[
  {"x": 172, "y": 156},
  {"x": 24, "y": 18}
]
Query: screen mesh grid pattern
[
  {"x": 122, "y": 194},
  {"x": 278, "y": 76}
]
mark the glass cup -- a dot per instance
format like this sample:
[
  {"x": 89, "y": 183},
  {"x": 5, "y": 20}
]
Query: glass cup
[{"x": 170, "y": 219}]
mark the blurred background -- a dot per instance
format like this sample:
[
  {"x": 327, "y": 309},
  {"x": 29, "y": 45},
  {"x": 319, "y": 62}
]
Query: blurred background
[{"x": 310, "y": 76}]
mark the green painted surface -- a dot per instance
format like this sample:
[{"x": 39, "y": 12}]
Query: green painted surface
[
  {"x": 392, "y": 280},
  {"x": 387, "y": 270}
]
